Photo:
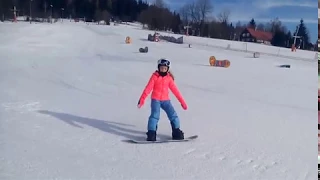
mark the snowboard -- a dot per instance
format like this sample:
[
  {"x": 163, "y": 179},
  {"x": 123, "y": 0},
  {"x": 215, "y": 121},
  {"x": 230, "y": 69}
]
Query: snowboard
[{"x": 190, "y": 138}]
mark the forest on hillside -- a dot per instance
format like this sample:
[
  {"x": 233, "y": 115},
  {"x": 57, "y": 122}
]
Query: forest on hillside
[{"x": 158, "y": 16}]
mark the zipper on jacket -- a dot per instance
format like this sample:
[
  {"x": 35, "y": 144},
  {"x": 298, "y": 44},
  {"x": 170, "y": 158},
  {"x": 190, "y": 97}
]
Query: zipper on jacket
[{"x": 162, "y": 88}]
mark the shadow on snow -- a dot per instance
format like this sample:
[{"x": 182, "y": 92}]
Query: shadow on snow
[{"x": 115, "y": 128}]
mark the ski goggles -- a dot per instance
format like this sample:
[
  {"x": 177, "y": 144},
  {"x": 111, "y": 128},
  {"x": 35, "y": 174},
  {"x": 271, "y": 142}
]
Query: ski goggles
[{"x": 164, "y": 62}]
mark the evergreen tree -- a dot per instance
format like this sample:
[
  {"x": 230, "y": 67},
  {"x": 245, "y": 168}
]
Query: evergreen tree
[
  {"x": 303, "y": 32},
  {"x": 279, "y": 38},
  {"x": 252, "y": 24},
  {"x": 289, "y": 39}
]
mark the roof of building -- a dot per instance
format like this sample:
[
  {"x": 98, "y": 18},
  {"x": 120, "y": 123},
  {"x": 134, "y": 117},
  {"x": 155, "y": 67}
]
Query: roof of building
[{"x": 260, "y": 35}]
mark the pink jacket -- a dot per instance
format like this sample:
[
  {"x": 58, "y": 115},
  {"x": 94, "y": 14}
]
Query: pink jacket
[
  {"x": 318, "y": 103},
  {"x": 160, "y": 86}
]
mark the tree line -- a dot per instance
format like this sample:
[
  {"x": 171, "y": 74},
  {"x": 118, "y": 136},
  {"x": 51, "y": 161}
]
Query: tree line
[{"x": 194, "y": 17}]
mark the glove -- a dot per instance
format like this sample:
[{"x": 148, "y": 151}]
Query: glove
[
  {"x": 184, "y": 106},
  {"x": 140, "y": 104}
]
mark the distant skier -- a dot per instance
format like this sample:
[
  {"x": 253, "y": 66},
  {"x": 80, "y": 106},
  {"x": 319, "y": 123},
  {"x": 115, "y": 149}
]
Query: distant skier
[{"x": 159, "y": 83}]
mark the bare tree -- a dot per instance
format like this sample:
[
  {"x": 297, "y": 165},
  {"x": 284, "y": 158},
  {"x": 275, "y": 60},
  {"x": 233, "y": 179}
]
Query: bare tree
[
  {"x": 226, "y": 31},
  {"x": 184, "y": 13},
  {"x": 274, "y": 25},
  {"x": 224, "y": 16},
  {"x": 198, "y": 11},
  {"x": 261, "y": 27},
  {"x": 284, "y": 29},
  {"x": 205, "y": 7},
  {"x": 194, "y": 12},
  {"x": 238, "y": 30},
  {"x": 238, "y": 25}
]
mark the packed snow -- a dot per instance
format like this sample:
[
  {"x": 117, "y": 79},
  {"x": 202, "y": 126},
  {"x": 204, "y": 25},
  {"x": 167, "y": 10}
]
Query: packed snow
[{"x": 68, "y": 102}]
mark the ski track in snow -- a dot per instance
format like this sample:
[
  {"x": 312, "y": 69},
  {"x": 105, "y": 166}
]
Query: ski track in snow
[
  {"x": 238, "y": 163},
  {"x": 21, "y": 107},
  {"x": 68, "y": 103}
]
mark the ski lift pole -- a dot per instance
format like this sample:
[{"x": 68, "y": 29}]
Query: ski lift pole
[
  {"x": 187, "y": 27},
  {"x": 14, "y": 10},
  {"x": 296, "y": 35},
  {"x": 30, "y": 9}
]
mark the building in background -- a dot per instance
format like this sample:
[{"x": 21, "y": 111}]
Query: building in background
[{"x": 257, "y": 36}]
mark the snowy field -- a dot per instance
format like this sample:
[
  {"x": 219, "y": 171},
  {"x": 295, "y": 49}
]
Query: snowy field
[{"x": 68, "y": 95}]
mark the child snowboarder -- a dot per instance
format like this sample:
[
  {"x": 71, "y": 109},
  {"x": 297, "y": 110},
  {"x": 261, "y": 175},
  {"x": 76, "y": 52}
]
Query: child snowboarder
[{"x": 159, "y": 83}]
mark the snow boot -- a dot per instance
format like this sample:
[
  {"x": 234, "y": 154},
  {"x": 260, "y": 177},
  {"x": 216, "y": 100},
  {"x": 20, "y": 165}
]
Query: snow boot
[
  {"x": 177, "y": 134},
  {"x": 151, "y": 135}
]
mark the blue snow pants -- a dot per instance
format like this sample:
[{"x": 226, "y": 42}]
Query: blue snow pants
[{"x": 155, "y": 114}]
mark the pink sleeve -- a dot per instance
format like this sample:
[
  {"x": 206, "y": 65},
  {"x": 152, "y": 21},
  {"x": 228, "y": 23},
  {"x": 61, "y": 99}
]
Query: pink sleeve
[
  {"x": 176, "y": 92},
  {"x": 147, "y": 89}
]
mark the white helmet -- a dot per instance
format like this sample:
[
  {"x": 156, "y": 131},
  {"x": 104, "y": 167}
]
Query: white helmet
[{"x": 164, "y": 62}]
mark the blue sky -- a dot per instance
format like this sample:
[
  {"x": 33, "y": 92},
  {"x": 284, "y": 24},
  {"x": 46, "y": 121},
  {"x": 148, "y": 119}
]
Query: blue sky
[{"x": 289, "y": 12}]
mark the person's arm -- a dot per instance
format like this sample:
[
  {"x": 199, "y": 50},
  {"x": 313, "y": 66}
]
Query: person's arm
[
  {"x": 174, "y": 89},
  {"x": 146, "y": 90}
]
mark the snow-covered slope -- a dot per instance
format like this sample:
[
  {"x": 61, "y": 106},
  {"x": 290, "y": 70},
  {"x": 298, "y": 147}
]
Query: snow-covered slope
[
  {"x": 253, "y": 47},
  {"x": 248, "y": 47},
  {"x": 68, "y": 95}
]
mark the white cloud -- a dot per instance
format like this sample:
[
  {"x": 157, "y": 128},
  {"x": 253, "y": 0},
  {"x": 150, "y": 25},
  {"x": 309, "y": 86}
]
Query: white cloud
[
  {"x": 284, "y": 20},
  {"x": 239, "y": 11},
  {"x": 170, "y": 3},
  {"x": 267, "y": 4},
  {"x": 175, "y": 2},
  {"x": 296, "y": 20},
  {"x": 244, "y": 11}
]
